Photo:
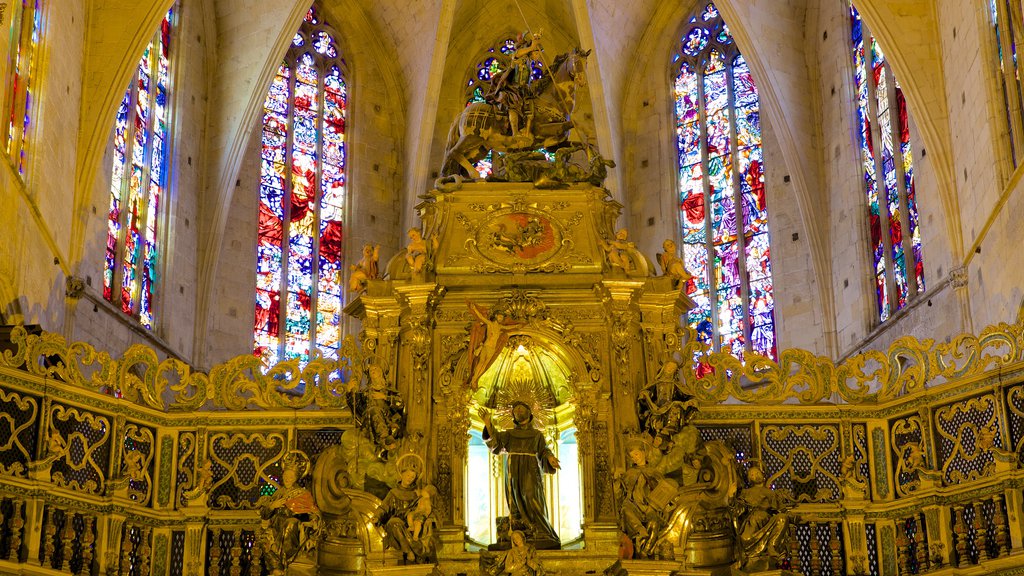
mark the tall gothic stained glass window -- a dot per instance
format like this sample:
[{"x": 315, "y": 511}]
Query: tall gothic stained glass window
[
  {"x": 1006, "y": 23},
  {"x": 303, "y": 179},
  {"x": 26, "y": 23},
  {"x": 721, "y": 191},
  {"x": 139, "y": 181},
  {"x": 883, "y": 126}
]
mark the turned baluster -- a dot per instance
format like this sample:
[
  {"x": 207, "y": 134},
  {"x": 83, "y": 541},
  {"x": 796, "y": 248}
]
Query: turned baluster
[
  {"x": 215, "y": 553},
  {"x": 67, "y": 539},
  {"x": 834, "y": 544},
  {"x": 15, "y": 524},
  {"x": 794, "y": 550},
  {"x": 1002, "y": 524},
  {"x": 127, "y": 547},
  {"x": 255, "y": 556},
  {"x": 815, "y": 550},
  {"x": 902, "y": 547},
  {"x": 49, "y": 531},
  {"x": 922, "y": 546},
  {"x": 88, "y": 539},
  {"x": 980, "y": 532},
  {"x": 144, "y": 550},
  {"x": 960, "y": 535},
  {"x": 236, "y": 553},
  {"x": 2, "y": 517}
]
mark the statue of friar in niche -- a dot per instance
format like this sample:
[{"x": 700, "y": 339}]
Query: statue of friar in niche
[{"x": 528, "y": 455}]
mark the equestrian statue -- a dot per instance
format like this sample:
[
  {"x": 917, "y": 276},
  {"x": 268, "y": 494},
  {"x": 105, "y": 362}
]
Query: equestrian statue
[{"x": 522, "y": 111}]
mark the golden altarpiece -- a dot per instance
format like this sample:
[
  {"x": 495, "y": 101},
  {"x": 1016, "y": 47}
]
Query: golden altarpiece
[{"x": 517, "y": 314}]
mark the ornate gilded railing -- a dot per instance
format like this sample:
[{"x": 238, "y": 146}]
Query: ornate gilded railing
[
  {"x": 901, "y": 462},
  {"x": 98, "y": 455},
  {"x": 912, "y": 483}
]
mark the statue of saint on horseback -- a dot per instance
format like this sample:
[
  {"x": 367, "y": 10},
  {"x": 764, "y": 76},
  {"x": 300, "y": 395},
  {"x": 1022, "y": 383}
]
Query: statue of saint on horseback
[{"x": 520, "y": 113}]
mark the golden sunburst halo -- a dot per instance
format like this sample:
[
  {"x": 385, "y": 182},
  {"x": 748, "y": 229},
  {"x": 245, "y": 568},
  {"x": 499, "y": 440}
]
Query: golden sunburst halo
[{"x": 530, "y": 392}]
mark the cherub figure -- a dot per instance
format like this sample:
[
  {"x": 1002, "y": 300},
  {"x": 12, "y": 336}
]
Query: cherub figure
[
  {"x": 418, "y": 515},
  {"x": 672, "y": 265},
  {"x": 366, "y": 269},
  {"x": 416, "y": 252},
  {"x": 618, "y": 249},
  {"x": 201, "y": 485}
]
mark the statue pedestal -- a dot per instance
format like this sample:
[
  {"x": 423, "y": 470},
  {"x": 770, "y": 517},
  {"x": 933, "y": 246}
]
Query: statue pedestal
[
  {"x": 407, "y": 570},
  {"x": 643, "y": 568},
  {"x": 341, "y": 556}
]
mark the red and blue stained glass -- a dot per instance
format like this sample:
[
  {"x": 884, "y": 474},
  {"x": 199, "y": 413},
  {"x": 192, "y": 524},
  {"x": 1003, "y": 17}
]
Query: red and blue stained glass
[
  {"x": 718, "y": 136},
  {"x": 1009, "y": 73},
  {"x": 891, "y": 204},
  {"x": 138, "y": 182},
  {"x": 26, "y": 26},
  {"x": 299, "y": 265}
]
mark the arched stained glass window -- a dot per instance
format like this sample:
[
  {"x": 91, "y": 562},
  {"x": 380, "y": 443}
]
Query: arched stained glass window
[
  {"x": 1006, "y": 28},
  {"x": 138, "y": 181},
  {"x": 495, "y": 62},
  {"x": 299, "y": 264},
  {"x": 896, "y": 255},
  {"x": 26, "y": 22},
  {"x": 721, "y": 191}
]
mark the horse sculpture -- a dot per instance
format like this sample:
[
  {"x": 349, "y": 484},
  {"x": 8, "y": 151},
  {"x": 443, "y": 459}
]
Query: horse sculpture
[{"x": 481, "y": 126}]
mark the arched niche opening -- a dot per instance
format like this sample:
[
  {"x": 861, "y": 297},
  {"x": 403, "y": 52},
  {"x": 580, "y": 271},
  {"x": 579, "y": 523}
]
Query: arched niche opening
[{"x": 536, "y": 371}]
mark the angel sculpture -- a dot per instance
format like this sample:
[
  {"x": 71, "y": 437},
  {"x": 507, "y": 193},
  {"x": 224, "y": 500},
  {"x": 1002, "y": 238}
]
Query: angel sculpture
[
  {"x": 672, "y": 265},
  {"x": 366, "y": 269}
]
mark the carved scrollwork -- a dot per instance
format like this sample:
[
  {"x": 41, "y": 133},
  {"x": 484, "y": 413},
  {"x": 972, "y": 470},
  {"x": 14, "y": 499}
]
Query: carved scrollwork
[
  {"x": 20, "y": 415},
  {"x": 140, "y": 377},
  {"x": 805, "y": 459},
  {"x": 240, "y": 464},
  {"x": 909, "y": 365},
  {"x": 961, "y": 427},
  {"x": 86, "y": 435}
]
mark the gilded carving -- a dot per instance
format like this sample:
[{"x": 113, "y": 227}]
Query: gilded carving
[
  {"x": 79, "y": 468},
  {"x": 29, "y": 413},
  {"x": 961, "y": 428}
]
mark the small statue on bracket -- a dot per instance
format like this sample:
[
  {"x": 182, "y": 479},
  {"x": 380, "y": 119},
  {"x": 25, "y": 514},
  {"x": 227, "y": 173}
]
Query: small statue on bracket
[
  {"x": 366, "y": 269},
  {"x": 619, "y": 251},
  {"x": 417, "y": 253},
  {"x": 672, "y": 265},
  {"x": 56, "y": 448},
  {"x": 378, "y": 409},
  {"x": 199, "y": 492}
]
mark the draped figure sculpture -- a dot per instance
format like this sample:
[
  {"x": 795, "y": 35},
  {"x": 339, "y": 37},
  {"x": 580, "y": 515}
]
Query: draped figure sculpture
[
  {"x": 406, "y": 515},
  {"x": 528, "y": 456}
]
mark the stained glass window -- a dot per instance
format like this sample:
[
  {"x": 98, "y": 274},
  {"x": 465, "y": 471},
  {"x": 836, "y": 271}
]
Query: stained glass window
[
  {"x": 303, "y": 177},
  {"x": 1006, "y": 29},
  {"x": 138, "y": 181},
  {"x": 883, "y": 127},
  {"x": 723, "y": 215},
  {"x": 26, "y": 24},
  {"x": 496, "y": 60}
]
